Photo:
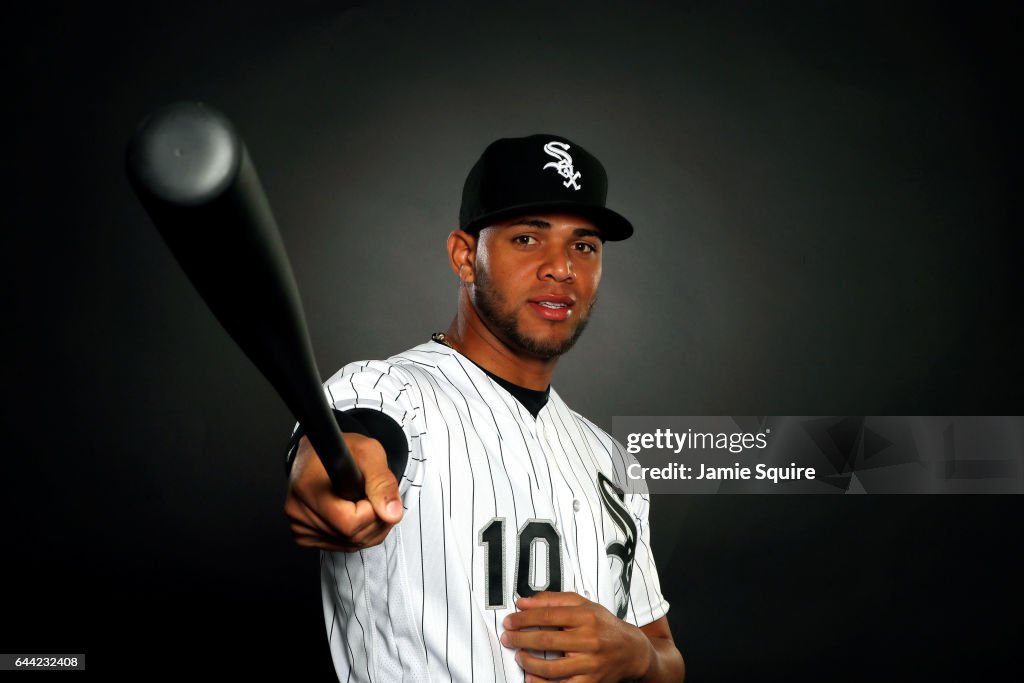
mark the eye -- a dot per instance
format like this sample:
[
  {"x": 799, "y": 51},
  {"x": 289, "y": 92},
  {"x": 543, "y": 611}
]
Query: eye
[
  {"x": 524, "y": 239},
  {"x": 586, "y": 247}
]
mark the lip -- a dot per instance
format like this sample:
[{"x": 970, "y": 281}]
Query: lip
[
  {"x": 554, "y": 299},
  {"x": 553, "y": 314}
]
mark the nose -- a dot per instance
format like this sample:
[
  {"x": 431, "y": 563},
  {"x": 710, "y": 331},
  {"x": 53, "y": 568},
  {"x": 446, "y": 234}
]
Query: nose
[{"x": 557, "y": 266}]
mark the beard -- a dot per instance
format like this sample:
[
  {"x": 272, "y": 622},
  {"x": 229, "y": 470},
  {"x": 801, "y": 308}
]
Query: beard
[{"x": 494, "y": 310}]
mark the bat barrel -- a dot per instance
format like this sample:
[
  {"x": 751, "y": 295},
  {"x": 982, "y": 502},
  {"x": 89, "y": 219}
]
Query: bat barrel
[
  {"x": 185, "y": 154},
  {"x": 194, "y": 176}
]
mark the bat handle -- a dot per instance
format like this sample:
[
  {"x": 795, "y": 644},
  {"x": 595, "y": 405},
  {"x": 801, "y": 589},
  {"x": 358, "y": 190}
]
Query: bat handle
[{"x": 317, "y": 420}]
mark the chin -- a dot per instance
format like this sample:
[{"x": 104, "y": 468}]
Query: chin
[
  {"x": 549, "y": 335},
  {"x": 547, "y": 346}
]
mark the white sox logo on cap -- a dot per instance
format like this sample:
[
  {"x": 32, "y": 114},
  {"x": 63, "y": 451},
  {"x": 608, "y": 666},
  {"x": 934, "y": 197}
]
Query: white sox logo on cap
[
  {"x": 512, "y": 178},
  {"x": 564, "y": 164}
]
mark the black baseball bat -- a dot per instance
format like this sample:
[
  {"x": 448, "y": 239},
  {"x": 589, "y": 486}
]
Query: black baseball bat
[{"x": 193, "y": 174}]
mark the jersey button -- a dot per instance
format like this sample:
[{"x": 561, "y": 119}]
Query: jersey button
[
  {"x": 576, "y": 506},
  {"x": 586, "y": 594}
]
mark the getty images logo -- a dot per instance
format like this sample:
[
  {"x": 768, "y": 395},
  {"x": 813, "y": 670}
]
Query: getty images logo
[{"x": 564, "y": 164}]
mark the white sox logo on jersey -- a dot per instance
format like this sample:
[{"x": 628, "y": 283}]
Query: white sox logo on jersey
[
  {"x": 612, "y": 497},
  {"x": 564, "y": 164}
]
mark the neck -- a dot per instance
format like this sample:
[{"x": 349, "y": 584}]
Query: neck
[{"x": 473, "y": 339}]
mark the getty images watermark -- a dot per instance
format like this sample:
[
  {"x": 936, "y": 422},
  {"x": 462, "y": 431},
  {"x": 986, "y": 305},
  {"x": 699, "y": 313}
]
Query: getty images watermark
[{"x": 842, "y": 454}]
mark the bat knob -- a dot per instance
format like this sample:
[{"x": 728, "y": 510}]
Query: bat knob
[{"x": 184, "y": 154}]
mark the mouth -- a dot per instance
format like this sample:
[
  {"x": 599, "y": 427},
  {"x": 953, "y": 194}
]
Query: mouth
[{"x": 552, "y": 307}]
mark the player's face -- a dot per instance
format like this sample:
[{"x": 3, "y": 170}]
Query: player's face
[{"x": 536, "y": 281}]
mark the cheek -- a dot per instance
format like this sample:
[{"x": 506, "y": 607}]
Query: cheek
[{"x": 594, "y": 280}]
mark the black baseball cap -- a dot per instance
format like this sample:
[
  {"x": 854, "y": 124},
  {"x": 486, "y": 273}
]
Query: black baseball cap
[{"x": 538, "y": 173}]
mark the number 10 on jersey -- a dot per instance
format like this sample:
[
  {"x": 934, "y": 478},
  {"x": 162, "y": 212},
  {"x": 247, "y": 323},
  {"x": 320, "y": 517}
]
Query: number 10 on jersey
[{"x": 538, "y": 561}]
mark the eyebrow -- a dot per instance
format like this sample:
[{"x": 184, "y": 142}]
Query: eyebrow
[{"x": 544, "y": 225}]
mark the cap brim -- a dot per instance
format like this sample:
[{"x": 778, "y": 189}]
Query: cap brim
[{"x": 613, "y": 227}]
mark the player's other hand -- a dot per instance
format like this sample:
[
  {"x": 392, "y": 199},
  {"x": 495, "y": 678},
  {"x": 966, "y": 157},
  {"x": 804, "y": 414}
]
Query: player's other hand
[
  {"x": 598, "y": 646},
  {"x": 319, "y": 519}
]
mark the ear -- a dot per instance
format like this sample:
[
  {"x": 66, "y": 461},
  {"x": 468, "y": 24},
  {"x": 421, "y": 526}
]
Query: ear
[{"x": 462, "y": 255}]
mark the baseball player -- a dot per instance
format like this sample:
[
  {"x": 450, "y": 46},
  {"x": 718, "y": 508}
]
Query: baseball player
[{"x": 495, "y": 543}]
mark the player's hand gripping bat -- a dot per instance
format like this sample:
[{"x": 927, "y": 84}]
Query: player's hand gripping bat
[{"x": 194, "y": 176}]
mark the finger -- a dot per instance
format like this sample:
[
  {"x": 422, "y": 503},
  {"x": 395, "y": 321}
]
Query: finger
[
  {"x": 299, "y": 529},
  {"x": 345, "y": 518},
  {"x": 305, "y": 531},
  {"x": 318, "y": 544},
  {"x": 557, "y": 640},
  {"x": 312, "y": 539},
  {"x": 382, "y": 491},
  {"x": 564, "y": 617},
  {"x": 366, "y": 535},
  {"x": 531, "y": 678},
  {"x": 301, "y": 521},
  {"x": 359, "y": 525},
  {"x": 551, "y": 599},
  {"x": 562, "y": 667},
  {"x": 372, "y": 535},
  {"x": 381, "y": 484},
  {"x": 299, "y": 510}
]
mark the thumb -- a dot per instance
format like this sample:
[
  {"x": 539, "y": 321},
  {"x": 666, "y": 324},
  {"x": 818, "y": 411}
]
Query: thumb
[{"x": 382, "y": 492}]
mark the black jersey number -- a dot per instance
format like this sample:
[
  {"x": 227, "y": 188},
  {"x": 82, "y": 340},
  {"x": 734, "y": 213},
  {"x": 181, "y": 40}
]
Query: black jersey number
[{"x": 537, "y": 540}]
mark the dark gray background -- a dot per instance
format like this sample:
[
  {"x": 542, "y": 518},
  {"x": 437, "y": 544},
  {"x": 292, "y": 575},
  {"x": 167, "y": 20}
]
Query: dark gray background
[{"x": 827, "y": 222}]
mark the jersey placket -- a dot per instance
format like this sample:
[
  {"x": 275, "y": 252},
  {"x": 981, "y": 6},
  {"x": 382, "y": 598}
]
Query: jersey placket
[{"x": 570, "y": 504}]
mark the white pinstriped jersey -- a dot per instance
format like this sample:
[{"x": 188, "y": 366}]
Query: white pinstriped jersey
[{"x": 498, "y": 504}]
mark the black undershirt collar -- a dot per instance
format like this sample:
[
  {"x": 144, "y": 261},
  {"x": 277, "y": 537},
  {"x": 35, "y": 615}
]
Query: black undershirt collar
[{"x": 531, "y": 399}]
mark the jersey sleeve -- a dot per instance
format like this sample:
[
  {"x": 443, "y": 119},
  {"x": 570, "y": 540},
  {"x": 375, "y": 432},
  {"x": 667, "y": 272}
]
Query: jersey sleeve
[
  {"x": 646, "y": 602},
  {"x": 365, "y": 390}
]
